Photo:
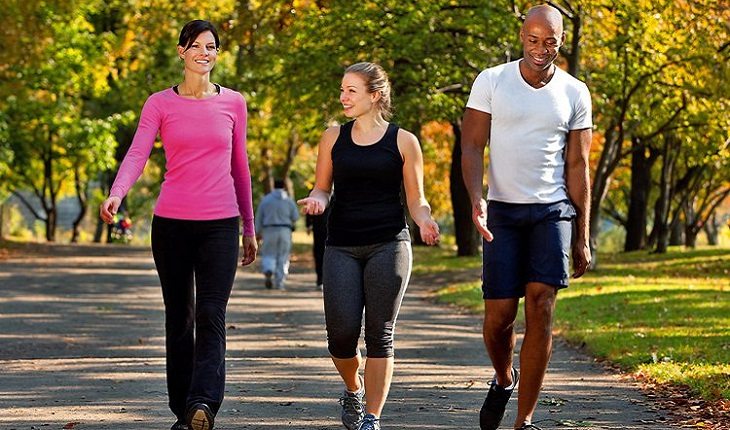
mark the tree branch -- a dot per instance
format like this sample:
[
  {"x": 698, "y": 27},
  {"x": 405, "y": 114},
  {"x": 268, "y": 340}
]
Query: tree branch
[{"x": 27, "y": 204}]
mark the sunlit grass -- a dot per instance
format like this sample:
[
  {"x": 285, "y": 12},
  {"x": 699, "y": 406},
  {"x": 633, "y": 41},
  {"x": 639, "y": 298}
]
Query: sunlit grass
[
  {"x": 429, "y": 260},
  {"x": 666, "y": 316}
]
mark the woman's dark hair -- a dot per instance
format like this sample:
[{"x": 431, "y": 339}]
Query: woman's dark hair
[{"x": 191, "y": 30}]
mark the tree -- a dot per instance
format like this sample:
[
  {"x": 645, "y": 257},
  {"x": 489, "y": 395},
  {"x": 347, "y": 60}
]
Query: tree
[
  {"x": 431, "y": 50},
  {"x": 642, "y": 58},
  {"x": 6, "y": 161},
  {"x": 48, "y": 107}
]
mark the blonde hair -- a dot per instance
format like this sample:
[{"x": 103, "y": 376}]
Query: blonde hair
[{"x": 376, "y": 80}]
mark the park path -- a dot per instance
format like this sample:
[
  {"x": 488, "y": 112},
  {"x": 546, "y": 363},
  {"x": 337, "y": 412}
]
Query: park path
[{"x": 81, "y": 335}]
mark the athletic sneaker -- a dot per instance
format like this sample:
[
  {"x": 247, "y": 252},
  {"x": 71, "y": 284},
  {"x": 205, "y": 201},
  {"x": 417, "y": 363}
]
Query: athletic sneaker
[
  {"x": 179, "y": 425},
  {"x": 353, "y": 410},
  {"x": 370, "y": 422},
  {"x": 200, "y": 417},
  {"x": 528, "y": 426},
  {"x": 492, "y": 412}
]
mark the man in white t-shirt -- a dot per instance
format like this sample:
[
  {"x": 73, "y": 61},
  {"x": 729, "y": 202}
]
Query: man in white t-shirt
[{"x": 536, "y": 120}]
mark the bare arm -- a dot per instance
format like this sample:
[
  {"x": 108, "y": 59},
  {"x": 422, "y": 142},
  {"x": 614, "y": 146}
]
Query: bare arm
[
  {"x": 578, "y": 182},
  {"x": 476, "y": 128},
  {"x": 319, "y": 198},
  {"x": 418, "y": 206}
]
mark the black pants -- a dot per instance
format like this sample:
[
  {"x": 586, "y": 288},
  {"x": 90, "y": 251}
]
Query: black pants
[{"x": 196, "y": 262}]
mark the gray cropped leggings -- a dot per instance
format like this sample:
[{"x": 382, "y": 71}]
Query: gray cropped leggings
[{"x": 371, "y": 278}]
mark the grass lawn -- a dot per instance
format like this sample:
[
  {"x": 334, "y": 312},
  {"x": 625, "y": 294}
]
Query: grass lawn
[{"x": 665, "y": 317}]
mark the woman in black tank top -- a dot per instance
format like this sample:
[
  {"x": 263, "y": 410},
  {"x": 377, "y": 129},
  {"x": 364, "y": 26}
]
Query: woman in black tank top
[{"x": 368, "y": 258}]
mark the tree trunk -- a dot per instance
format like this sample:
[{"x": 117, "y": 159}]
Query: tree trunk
[
  {"x": 575, "y": 43},
  {"x": 676, "y": 235},
  {"x": 81, "y": 196},
  {"x": 690, "y": 226},
  {"x": 641, "y": 164},
  {"x": 653, "y": 238},
  {"x": 99, "y": 230},
  {"x": 711, "y": 229},
  {"x": 467, "y": 237},
  {"x": 690, "y": 238},
  {"x": 661, "y": 215},
  {"x": 268, "y": 170},
  {"x": 51, "y": 220}
]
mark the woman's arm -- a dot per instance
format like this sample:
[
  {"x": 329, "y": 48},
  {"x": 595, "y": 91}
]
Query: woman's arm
[
  {"x": 418, "y": 206},
  {"x": 319, "y": 198},
  {"x": 134, "y": 161},
  {"x": 240, "y": 170}
]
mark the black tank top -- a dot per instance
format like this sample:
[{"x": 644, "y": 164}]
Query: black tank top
[{"x": 366, "y": 207}]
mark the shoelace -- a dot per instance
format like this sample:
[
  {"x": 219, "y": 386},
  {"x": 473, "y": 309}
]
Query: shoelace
[
  {"x": 369, "y": 422},
  {"x": 351, "y": 404}
]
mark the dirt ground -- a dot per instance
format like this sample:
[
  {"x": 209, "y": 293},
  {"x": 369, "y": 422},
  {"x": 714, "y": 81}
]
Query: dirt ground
[{"x": 82, "y": 347}]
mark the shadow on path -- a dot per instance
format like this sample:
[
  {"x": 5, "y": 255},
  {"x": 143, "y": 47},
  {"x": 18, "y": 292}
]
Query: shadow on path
[{"x": 82, "y": 337}]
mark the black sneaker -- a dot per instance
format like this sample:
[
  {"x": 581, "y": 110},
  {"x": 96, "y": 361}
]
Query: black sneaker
[
  {"x": 353, "y": 410},
  {"x": 200, "y": 417},
  {"x": 269, "y": 282},
  {"x": 528, "y": 426},
  {"x": 492, "y": 412}
]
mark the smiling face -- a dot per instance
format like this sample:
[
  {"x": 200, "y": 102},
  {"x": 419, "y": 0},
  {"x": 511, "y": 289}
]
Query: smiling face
[
  {"x": 542, "y": 36},
  {"x": 200, "y": 56},
  {"x": 354, "y": 96}
]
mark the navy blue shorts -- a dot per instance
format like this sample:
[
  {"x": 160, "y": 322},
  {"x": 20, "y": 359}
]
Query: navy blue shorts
[{"x": 531, "y": 244}]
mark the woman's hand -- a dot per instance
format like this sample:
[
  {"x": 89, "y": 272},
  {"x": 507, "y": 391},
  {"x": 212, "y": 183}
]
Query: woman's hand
[
  {"x": 429, "y": 232},
  {"x": 250, "y": 247},
  {"x": 109, "y": 208},
  {"x": 312, "y": 205}
]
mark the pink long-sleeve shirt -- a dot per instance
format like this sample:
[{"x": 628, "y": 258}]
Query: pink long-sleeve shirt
[{"x": 207, "y": 175}]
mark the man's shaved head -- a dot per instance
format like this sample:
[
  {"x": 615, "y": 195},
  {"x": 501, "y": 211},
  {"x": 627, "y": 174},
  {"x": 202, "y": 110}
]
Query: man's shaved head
[{"x": 545, "y": 14}]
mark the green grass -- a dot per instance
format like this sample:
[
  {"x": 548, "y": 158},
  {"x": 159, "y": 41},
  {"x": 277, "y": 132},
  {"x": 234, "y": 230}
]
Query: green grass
[
  {"x": 666, "y": 317},
  {"x": 434, "y": 260}
]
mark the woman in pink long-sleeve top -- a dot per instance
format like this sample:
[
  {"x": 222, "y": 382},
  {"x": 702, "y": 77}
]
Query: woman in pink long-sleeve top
[{"x": 205, "y": 195}]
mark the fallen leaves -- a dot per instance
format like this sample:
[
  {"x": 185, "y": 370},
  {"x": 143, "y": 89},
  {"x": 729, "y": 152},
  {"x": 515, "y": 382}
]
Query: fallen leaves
[{"x": 686, "y": 410}]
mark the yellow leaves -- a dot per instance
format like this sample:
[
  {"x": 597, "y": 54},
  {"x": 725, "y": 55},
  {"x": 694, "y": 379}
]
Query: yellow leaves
[{"x": 437, "y": 142}]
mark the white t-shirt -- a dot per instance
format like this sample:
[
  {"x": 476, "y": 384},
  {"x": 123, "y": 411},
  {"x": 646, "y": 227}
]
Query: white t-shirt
[{"x": 529, "y": 131}]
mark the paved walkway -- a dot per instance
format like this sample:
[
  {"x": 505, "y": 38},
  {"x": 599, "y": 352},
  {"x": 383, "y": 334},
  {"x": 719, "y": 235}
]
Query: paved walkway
[{"x": 81, "y": 335}]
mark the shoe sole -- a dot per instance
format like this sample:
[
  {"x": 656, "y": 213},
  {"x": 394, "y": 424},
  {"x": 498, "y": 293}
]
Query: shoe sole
[{"x": 200, "y": 421}]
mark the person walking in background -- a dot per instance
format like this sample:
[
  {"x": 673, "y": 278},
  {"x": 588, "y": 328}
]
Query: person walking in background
[
  {"x": 275, "y": 218},
  {"x": 317, "y": 226},
  {"x": 205, "y": 195},
  {"x": 368, "y": 259},
  {"x": 536, "y": 119}
]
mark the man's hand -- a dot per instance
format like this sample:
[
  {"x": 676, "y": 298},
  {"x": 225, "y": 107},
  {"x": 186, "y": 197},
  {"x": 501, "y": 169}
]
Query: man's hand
[
  {"x": 479, "y": 216},
  {"x": 581, "y": 258}
]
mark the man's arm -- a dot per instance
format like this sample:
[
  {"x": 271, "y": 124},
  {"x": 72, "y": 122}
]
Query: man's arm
[
  {"x": 578, "y": 182},
  {"x": 476, "y": 128}
]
